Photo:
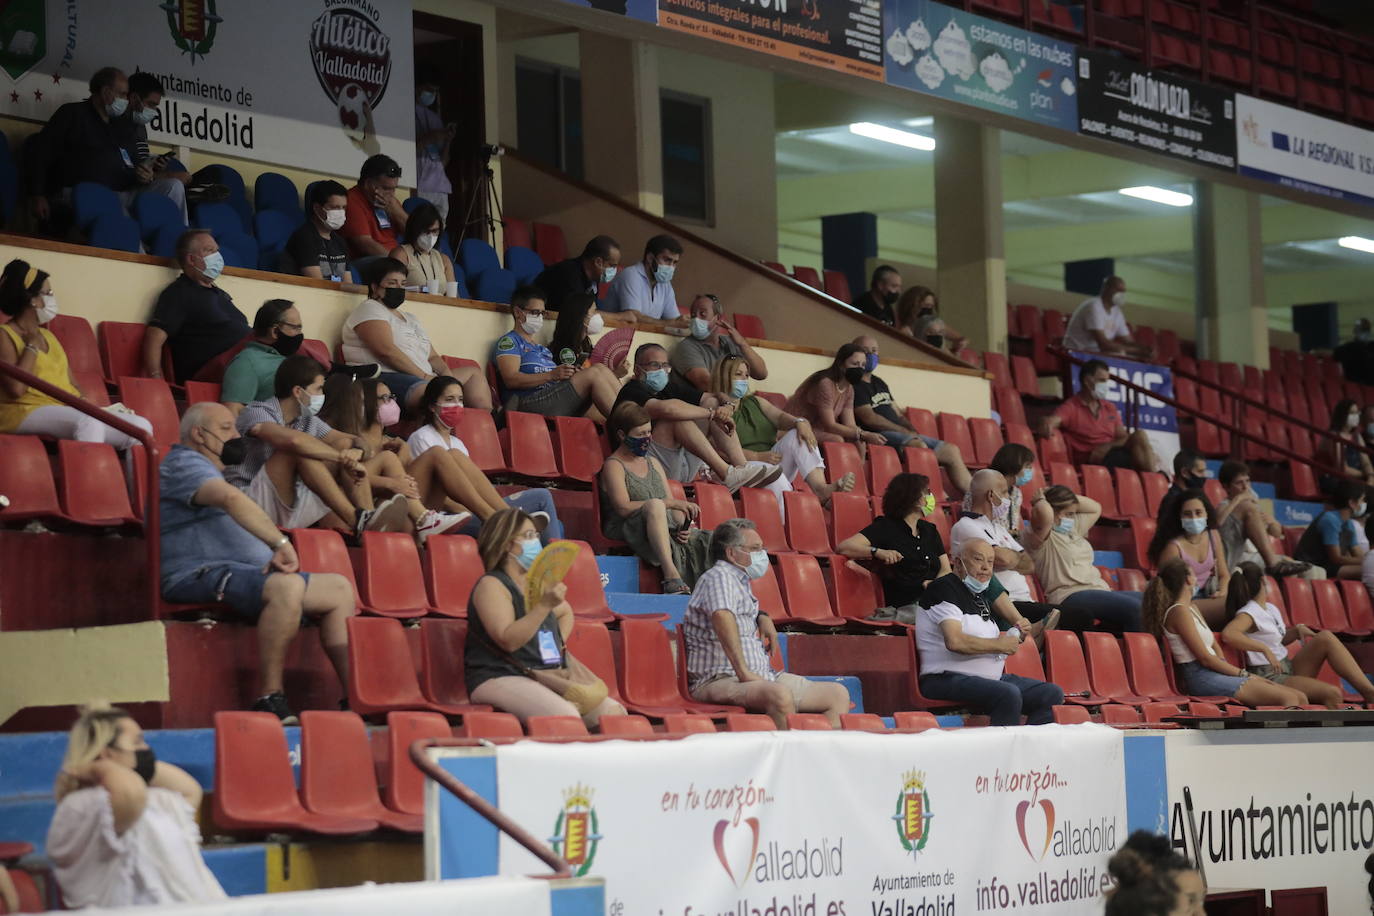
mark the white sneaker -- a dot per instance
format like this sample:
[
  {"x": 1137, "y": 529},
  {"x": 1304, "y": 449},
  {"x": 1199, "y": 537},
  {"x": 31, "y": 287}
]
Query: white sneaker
[
  {"x": 391, "y": 515},
  {"x": 432, "y": 523}
]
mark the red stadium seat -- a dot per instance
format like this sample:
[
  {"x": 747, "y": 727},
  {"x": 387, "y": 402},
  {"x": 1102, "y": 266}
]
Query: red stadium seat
[
  {"x": 1052, "y": 449},
  {"x": 1117, "y": 714},
  {"x": 1071, "y": 715},
  {"x": 585, "y": 592},
  {"x": 1359, "y": 611},
  {"x": 954, "y": 430},
  {"x": 765, "y": 589},
  {"x": 1025, "y": 321},
  {"x": 1302, "y": 484},
  {"x": 321, "y": 550},
  {"x": 648, "y": 675},
  {"x": 1066, "y": 667},
  {"x": 850, "y": 513},
  {"x": 151, "y": 398},
  {"x": 405, "y": 784},
  {"x": 808, "y": 721},
  {"x": 775, "y": 266},
  {"x": 1020, "y": 434},
  {"x": 1142, "y": 531},
  {"x": 808, "y": 275},
  {"x": 1107, "y": 669},
  {"x": 843, "y": 458},
  {"x": 987, "y": 439},
  {"x": 918, "y": 700},
  {"x": 1149, "y": 676},
  {"x": 775, "y": 398},
  {"x": 555, "y": 727},
  {"x": 749, "y": 722},
  {"x": 806, "y": 530},
  {"x": 580, "y": 454},
  {"x": 1025, "y": 661},
  {"x": 862, "y": 722},
  {"x": 477, "y": 429},
  {"x": 441, "y": 672},
  {"x": 550, "y": 243},
  {"x": 1130, "y": 580},
  {"x": 1299, "y": 602},
  {"x": 79, "y": 343},
  {"x": 1023, "y": 377},
  {"x": 688, "y": 724},
  {"x": 254, "y": 787},
  {"x": 1130, "y": 494},
  {"x": 761, "y": 508},
  {"x": 200, "y": 392},
  {"x": 337, "y": 773},
  {"x": 1158, "y": 712},
  {"x": 920, "y": 460},
  {"x": 382, "y": 670},
  {"x": 528, "y": 447},
  {"x": 883, "y": 465},
  {"x": 1008, "y": 404},
  {"x": 855, "y": 594},
  {"x": 1097, "y": 484},
  {"x": 837, "y": 285},
  {"x": 91, "y": 485},
  {"x": 390, "y": 582},
  {"x": 915, "y": 721},
  {"x": 627, "y": 726},
  {"x": 804, "y": 589},
  {"x": 1155, "y": 486},
  {"x": 750, "y": 326},
  {"x": 1330, "y": 607},
  {"x": 923, "y": 421},
  {"x": 121, "y": 348},
  {"x": 516, "y": 233},
  {"x": 492, "y": 725},
  {"x": 452, "y": 567},
  {"x": 1063, "y": 474},
  {"x": 1000, "y": 368},
  {"x": 590, "y": 642},
  {"x": 717, "y": 505}
]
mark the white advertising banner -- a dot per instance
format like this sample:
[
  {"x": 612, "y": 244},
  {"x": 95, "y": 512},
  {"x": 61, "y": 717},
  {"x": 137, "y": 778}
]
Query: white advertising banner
[
  {"x": 828, "y": 824},
  {"x": 1278, "y": 808},
  {"x": 318, "y": 84},
  {"x": 1304, "y": 151}
]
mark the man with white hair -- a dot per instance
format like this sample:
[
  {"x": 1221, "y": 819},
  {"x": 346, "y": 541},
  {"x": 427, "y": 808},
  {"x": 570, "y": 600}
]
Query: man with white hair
[
  {"x": 218, "y": 546},
  {"x": 962, "y": 652}
]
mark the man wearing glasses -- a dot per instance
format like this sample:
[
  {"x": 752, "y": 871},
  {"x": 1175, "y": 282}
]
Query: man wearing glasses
[
  {"x": 374, "y": 218},
  {"x": 277, "y": 334}
]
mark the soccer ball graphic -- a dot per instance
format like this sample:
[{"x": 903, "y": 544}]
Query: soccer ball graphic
[{"x": 354, "y": 115}]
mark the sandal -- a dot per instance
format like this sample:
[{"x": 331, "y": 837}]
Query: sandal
[{"x": 675, "y": 587}]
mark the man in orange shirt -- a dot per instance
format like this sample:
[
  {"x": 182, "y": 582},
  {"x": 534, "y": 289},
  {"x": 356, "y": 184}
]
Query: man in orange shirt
[
  {"x": 374, "y": 218},
  {"x": 1092, "y": 428}
]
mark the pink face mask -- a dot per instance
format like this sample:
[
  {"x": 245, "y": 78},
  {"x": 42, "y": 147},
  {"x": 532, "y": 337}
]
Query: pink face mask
[{"x": 388, "y": 413}]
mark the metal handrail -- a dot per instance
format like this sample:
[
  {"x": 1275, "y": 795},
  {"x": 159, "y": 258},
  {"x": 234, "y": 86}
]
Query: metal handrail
[
  {"x": 1222, "y": 424},
  {"x": 151, "y": 523}
]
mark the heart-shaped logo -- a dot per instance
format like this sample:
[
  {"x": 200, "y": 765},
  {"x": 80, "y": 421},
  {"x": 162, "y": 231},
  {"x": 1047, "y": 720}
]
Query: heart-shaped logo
[
  {"x": 1048, "y": 807},
  {"x": 745, "y": 844}
]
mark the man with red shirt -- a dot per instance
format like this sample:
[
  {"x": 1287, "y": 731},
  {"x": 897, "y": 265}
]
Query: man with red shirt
[
  {"x": 1092, "y": 428},
  {"x": 374, "y": 218}
]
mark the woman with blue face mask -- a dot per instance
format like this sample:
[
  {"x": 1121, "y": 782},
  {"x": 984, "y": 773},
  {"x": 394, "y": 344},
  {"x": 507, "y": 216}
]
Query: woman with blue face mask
[
  {"x": 1188, "y": 532},
  {"x": 636, "y": 506},
  {"x": 506, "y": 638},
  {"x": 769, "y": 435},
  {"x": 1058, "y": 543}
]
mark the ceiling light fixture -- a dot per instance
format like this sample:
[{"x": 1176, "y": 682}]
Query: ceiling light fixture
[
  {"x": 1357, "y": 242},
  {"x": 1159, "y": 195},
  {"x": 892, "y": 135}
]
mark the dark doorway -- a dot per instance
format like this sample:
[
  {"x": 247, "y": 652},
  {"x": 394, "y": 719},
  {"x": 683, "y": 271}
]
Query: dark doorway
[{"x": 453, "y": 51}]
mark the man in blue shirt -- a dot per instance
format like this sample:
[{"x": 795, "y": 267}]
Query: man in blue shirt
[
  {"x": 1332, "y": 540},
  {"x": 645, "y": 290},
  {"x": 218, "y": 546},
  {"x": 529, "y": 379}
]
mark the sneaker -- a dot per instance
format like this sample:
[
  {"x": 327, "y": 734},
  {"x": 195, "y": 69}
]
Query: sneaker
[
  {"x": 208, "y": 193},
  {"x": 432, "y": 523},
  {"x": 749, "y": 475},
  {"x": 275, "y": 703},
  {"x": 1287, "y": 567},
  {"x": 767, "y": 473},
  {"x": 392, "y": 515},
  {"x": 1038, "y": 630},
  {"x": 541, "y": 520}
]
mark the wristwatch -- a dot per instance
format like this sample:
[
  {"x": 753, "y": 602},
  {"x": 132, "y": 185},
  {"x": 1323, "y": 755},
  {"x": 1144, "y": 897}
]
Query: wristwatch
[
  {"x": 282, "y": 542},
  {"x": 872, "y": 551}
]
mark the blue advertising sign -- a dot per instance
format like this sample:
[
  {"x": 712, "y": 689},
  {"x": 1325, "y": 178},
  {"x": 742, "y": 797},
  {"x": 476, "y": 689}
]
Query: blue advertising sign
[
  {"x": 635, "y": 9},
  {"x": 956, "y": 55},
  {"x": 1151, "y": 414}
]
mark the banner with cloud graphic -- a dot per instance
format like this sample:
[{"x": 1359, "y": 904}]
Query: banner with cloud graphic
[
  {"x": 828, "y": 823},
  {"x": 1122, "y": 101},
  {"x": 956, "y": 55}
]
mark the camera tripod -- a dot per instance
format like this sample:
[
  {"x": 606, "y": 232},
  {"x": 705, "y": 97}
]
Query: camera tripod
[{"x": 490, "y": 216}]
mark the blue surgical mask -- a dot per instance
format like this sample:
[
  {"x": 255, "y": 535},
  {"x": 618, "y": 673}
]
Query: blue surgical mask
[
  {"x": 740, "y": 388},
  {"x": 214, "y": 266},
  {"x": 529, "y": 549},
  {"x": 656, "y": 380},
  {"x": 871, "y": 362},
  {"x": 976, "y": 585},
  {"x": 144, "y": 115},
  {"x": 1066, "y": 525},
  {"x": 758, "y": 564},
  {"x": 1195, "y": 525},
  {"x": 1024, "y": 477},
  {"x": 427, "y": 98},
  {"x": 117, "y": 107},
  {"x": 663, "y": 273},
  {"x": 701, "y": 328},
  {"x": 608, "y": 274}
]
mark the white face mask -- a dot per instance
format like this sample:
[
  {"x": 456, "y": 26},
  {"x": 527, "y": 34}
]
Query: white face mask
[
  {"x": 1352, "y": 421},
  {"x": 1102, "y": 390},
  {"x": 532, "y": 324},
  {"x": 48, "y": 311},
  {"x": 334, "y": 219},
  {"x": 427, "y": 241},
  {"x": 1118, "y": 299},
  {"x": 596, "y": 324}
]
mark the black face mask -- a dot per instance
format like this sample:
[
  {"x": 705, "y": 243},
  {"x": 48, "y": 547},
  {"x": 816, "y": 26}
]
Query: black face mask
[
  {"x": 393, "y": 296},
  {"x": 854, "y": 374},
  {"x": 926, "y": 310},
  {"x": 1194, "y": 483},
  {"x": 145, "y": 761},
  {"x": 287, "y": 344},
  {"x": 889, "y": 298},
  {"x": 936, "y": 340},
  {"x": 232, "y": 451}
]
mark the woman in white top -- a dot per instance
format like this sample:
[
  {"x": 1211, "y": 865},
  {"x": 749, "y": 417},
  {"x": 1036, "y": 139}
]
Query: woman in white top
[
  {"x": 125, "y": 831},
  {"x": 378, "y": 331},
  {"x": 428, "y": 269},
  {"x": 1168, "y": 611},
  {"x": 1257, "y": 628}
]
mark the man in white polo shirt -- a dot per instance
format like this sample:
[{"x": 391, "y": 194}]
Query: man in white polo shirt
[{"x": 1099, "y": 324}]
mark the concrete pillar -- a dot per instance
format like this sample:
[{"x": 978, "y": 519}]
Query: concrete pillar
[
  {"x": 971, "y": 262},
  {"x": 622, "y": 135},
  {"x": 1232, "y": 318}
]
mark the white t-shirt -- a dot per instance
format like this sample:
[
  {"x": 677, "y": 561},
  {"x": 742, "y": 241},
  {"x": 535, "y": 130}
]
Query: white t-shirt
[
  {"x": 410, "y": 338},
  {"x": 1269, "y": 629},
  {"x": 1177, "y": 647},
  {"x": 998, "y": 536},
  {"x": 936, "y": 656},
  {"x": 1094, "y": 315},
  {"x": 157, "y": 860},
  {"x": 426, "y": 437}
]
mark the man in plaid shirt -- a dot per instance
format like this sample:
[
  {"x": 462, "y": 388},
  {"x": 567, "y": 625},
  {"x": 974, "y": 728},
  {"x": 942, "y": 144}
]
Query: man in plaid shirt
[{"x": 729, "y": 639}]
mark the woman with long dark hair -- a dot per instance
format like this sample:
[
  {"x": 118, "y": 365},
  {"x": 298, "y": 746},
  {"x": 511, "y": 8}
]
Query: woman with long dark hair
[
  {"x": 1343, "y": 451},
  {"x": 825, "y": 399},
  {"x": 428, "y": 269},
  {"x": 1016, "y": 463},
  {"x": 1188, "y": 531}
]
